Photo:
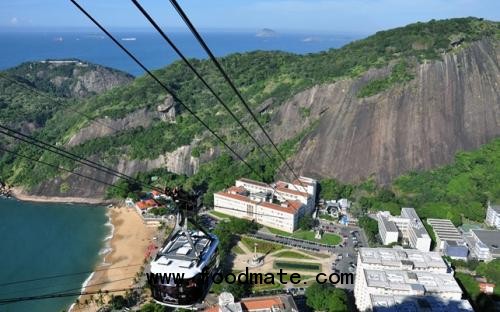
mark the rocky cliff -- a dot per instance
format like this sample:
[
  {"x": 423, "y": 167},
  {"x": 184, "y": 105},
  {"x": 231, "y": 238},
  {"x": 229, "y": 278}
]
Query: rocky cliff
[{"x": 451, "y": 105}]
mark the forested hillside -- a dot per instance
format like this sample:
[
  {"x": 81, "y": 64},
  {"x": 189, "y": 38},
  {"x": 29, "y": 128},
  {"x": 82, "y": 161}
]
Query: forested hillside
[{"x": 297, "y": 97}]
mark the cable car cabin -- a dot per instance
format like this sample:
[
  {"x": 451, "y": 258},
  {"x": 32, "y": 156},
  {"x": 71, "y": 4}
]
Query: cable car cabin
[{"x": 186, "y": 263}]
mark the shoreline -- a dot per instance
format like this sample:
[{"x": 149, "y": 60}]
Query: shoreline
[
  {"x": 122, "y": 255},
  {"x": 19, "y": 194}
]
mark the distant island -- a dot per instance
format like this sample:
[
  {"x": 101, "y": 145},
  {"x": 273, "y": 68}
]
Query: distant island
[{"x": 266, "y": 33}]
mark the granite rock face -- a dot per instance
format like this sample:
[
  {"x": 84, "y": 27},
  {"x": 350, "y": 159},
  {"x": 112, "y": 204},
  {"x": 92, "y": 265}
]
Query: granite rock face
[{"x": 450, "y": 106}]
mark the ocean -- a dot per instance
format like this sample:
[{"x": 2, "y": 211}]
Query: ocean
[
  {"x": 19, "y": 47},
  {"x": 53, "y": 245},
  {"x": 43, "y": 240}
]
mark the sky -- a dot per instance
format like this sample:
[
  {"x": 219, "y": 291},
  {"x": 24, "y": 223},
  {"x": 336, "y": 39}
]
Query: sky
[{"x": 330, "y": 16}]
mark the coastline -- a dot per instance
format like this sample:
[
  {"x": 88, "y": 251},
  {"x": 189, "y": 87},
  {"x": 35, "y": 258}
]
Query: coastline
[
  {"x": 18, "y": 193},
  {"x": 122, "y": 255}
]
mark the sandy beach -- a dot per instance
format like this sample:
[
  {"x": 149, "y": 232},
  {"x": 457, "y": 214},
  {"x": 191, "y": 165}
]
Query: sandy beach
[{"x": 129, "y": 244}]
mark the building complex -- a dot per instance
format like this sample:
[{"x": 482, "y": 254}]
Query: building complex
[
  {"x": 448, "y": 239},
  {"x": 484, "y": 244},
  {"x": 279, "y": 206},
  {"x": 407, "y": 227},
  {"x": 386, "y": 276}
]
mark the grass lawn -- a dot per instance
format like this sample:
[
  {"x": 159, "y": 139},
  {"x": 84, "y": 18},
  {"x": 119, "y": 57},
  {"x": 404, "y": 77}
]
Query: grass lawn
[
  {"x": 327, "y": 238},
  {"x": 237, "y": 250},
  {"x": 301, "y": 266},
  {"x": 263, "y": 247},
  {"x": 220, "y": 215},
  {"x": 291, "y": 254},
  {"x": 327, "y": 217}
]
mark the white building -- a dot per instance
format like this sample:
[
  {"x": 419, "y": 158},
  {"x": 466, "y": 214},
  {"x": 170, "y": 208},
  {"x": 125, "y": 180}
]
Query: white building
[
  {"x": 402, "y": 272},
  {"x": 279, "y": 207},
  {"x": 397, "y": 303},
  {"x": 449, "y": 240},
  {"x": 388, "y": 230},
  {"x": 409, "y": 227},
  {"x": 493, "y": 215},
  {"x": 484, "y": 244}
]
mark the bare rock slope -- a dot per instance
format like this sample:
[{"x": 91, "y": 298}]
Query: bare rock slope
[{"x": 451, "y": 105}]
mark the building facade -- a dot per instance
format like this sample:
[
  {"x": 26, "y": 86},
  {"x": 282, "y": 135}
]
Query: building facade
[
  {"x": 484, "y": 244},
  {"x": 405, "y": 273},
  {"x": 409, "y": 227},
  {"x": 279, "y": 207},
  {"x": 493, "y": 215}
]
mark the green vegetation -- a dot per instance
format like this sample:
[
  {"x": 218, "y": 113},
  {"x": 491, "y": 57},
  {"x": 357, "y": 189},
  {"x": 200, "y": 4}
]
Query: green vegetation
[
  {"x": 458, "y": 191},
  {"x": 370, "y": 227},
  {"x": 331, "y": 189},
  {"x": 326, "y": 298},
  {"x": 237, "y": 250},
  {"x": 306, "y": 223},
  {"x": 469, "y": 283},
  {"x": 292, "y": 254},
  {"x": 152, "y": 307},
  {"x": 327, "y": 238},
  {"x": 263, "y": 247},
  {"x": 297, "y": 266},
  {"x": 227, "y": 233},
  {"x": 219, "y": 214},
  {"x": 259, "y": 75},
  {"x": 400, "y": 74}
]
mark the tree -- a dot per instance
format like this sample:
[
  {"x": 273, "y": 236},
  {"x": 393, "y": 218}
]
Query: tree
[
  {"x": 152, "y": 307},
  {"x": 118, "y": 302},
  {"x": 306, "y": 223},
  {"x": 326, "y": 298},
  {"x": 370, "y": 227}
]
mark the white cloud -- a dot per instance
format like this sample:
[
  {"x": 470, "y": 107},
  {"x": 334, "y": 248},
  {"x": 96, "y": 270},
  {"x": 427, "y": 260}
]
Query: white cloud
[{"x": 14, "y": 20}]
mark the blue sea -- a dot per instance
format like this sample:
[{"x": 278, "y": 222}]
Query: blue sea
[
  {"x": 18, "y": 47},
  {"x": 40, "y": 241}
]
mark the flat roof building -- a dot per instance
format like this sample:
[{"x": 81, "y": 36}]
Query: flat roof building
[
  {"x": 448, "y": 239},
  {"x": 484, "y": 244},
  {"x": 409, "y": 228},
  {"x": 402, "y": 272},
  {"x": 397, "y": 303}
]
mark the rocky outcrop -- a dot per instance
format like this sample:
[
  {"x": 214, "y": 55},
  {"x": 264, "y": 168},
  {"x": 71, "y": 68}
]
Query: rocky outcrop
[
  {"x": 167, "y": 109},
  {"x": 451, "y": 105},
  {"x": 179, "y": 161},
  {"x": 70, "y": 78},
  {"x": 106, "y": 126}
]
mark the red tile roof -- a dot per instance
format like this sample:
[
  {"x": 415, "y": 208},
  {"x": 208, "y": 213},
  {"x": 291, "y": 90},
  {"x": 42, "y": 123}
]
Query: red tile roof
[
  {"x": 255, "y": 304},
  {"x": 253, "y": 182},
  {"x": 292, "y": 207},
  {"x": 301, "y": 181},
  {"x": 289, "y": 191},
  {"x": 237, "y": 189}
]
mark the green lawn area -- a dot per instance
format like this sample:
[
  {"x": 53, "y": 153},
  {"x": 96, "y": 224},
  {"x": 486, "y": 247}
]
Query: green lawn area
[
  {"x": 327, "y": 217},
  {"x": 327, "y": 238},
  {"x": 291, "y": 254},
  {"x": 301, "y": 266},
  {"x": 263, "y": 247},
  {"x": 219, "y": 214},
  {"x": 237, "y": 250}
]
